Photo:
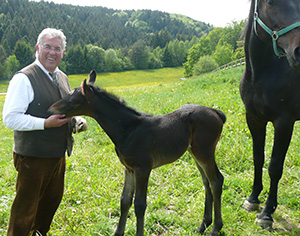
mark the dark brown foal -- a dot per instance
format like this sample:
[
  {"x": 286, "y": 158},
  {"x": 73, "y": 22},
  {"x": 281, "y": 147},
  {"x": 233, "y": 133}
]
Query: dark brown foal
[{"x": 144, "y": 142}]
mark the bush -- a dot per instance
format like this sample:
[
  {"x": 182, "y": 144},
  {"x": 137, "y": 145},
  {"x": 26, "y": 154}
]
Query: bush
[
  {"x": 12, "y": 66},
  {"x": 205, "y": 64},
  {"x": 223, "y": 53}
]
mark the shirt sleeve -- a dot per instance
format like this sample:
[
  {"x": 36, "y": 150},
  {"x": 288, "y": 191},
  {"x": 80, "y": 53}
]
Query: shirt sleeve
[{"x": 19, "y": 95}]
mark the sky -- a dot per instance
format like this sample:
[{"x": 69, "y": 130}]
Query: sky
[{"x": 218, "y": 13}]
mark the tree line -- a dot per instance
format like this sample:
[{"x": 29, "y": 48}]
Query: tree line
[
  {"x": 112, "y": 34},
  {"x": 109, "y": 40},
  {"x": 81, "y": 59}
]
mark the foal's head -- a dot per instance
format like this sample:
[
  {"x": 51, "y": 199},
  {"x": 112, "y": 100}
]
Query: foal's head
[
  {"x": 77, "y": 102},
  {"x": 277, "y": 22}
]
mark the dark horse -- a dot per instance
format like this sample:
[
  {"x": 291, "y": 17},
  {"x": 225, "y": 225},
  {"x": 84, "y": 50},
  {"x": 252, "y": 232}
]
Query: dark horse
[
  {"x": 270, "y": 90},
  {"x": 144, "y": 142}
]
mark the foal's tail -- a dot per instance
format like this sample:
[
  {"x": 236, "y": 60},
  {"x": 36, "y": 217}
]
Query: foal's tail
[{"x": 221, "y": 115}]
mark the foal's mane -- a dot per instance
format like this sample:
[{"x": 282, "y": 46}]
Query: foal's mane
[{"x": 102, "y": 93}]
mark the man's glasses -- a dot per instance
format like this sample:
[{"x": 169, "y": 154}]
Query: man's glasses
[{"x": 49, "y": 48}]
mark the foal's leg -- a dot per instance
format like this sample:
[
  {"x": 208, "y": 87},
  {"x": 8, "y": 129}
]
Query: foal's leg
[
  {"x": 205, "y": 157},
  {"x": 126, "y": 200},
  {"x": 140, "y": 202},
  {"x": 282, "y": 138},
  {"x": 207, "y": 217},
  {"x": 258, "y": 132},
  {"x": 216, "y": 180}
]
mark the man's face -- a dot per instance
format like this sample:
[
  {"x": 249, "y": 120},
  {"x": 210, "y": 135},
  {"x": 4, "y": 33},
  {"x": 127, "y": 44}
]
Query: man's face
[{"x": 50, "y": 53}]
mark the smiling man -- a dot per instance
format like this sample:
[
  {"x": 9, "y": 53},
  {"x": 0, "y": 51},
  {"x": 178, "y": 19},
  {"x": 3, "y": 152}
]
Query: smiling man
[{"x": 40, "y": 140}]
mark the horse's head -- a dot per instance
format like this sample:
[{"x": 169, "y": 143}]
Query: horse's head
[
  {"x": 77, "y": 101},
  {"x": 278, "y": 22}
]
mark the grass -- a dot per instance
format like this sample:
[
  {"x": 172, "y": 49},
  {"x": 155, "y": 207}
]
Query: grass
[
  {"x": 135, "y": 78},
  {"x": 94, "y": 175}
]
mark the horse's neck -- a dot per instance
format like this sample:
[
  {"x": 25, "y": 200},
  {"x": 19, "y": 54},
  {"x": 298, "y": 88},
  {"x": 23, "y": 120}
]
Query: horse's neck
[
  {"x": 115, "y": 120},
  {"x": 258, "y": 55}
]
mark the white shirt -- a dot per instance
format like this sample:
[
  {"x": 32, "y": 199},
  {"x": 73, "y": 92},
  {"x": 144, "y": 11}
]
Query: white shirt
[{"x": 19, "y": 95}]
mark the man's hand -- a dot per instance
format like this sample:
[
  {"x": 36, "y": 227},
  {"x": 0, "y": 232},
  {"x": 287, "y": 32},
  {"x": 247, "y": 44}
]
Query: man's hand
[{"x": 55, "y": 121}]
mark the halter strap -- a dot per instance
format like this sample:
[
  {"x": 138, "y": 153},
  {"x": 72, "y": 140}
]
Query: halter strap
[{"x": 274, "y": 34}]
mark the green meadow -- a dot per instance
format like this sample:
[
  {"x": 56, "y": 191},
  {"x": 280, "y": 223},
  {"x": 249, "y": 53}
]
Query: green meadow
[{"x": 94, "y": 175}]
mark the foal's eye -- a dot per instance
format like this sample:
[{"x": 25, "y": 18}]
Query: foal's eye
[
  {"x": 270, "y": 2},
  {"x": 74, "y": 101}
]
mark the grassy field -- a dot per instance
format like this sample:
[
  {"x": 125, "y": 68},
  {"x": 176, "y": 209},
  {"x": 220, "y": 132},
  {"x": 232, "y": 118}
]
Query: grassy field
[{"x": 94, "y": 175}]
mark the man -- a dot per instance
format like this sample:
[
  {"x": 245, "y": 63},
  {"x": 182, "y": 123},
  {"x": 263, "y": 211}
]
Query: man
[{"x": 40, "y": 140}]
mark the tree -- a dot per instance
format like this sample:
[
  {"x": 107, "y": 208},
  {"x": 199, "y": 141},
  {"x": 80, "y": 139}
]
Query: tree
[
  {"x": 223, "y": 53},
  {"x": 23, "y": 53},
  {"x": 139, "y": 55},
  {"x": 161, "y": 39},
  {"x": 2, "y": 55},
  {"x": 205, "y": 46},
  {"x": 167, "y": 58},
  {"x": 95, "y": 58},
  {"x": 12, "y": 66},
  {"x": 193, "y": 57},
  {"x": 179, "y": 52},
  {"x": 75, "y": 62},
  {"x": 239, "y": 51},
  {"x": 154, "y": 62},
  {"x": 112, "y": 62},
  {"x": 213, "y": 39},
  {"x": 2, "y": 62},
  {"x": 232, "y": 33}
]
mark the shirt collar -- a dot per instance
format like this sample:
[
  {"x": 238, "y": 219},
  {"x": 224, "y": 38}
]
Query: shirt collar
[{"x": 56, "y": 71}]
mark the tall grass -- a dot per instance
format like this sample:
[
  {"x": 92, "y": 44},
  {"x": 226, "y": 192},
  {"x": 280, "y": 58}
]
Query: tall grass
[{"x": 94, "y": 175}]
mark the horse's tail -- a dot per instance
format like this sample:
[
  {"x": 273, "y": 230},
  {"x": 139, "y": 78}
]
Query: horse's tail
[{"x": 221, "y": 115}]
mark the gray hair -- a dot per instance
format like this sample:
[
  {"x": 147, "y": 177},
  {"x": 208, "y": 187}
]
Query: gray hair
[{"x": 52, "y": 33}]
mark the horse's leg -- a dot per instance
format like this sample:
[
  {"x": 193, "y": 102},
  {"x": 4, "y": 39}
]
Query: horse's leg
[
  {"x": 282, "y": 138},
  {"x": 140, "y": 201},
  {"x": 258, "y": 132},
  {"x": 126, "y": 200},
  {"x": 207, "y": 217}
]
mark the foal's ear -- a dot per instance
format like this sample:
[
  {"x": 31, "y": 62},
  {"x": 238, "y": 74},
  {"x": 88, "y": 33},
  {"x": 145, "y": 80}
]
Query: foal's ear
[
  {"x": 86, "y": 89},
  {"x": 92, "y": 77}
]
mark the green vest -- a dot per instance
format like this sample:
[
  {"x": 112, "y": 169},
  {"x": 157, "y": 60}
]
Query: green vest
[{"x": 51, "y": 142}]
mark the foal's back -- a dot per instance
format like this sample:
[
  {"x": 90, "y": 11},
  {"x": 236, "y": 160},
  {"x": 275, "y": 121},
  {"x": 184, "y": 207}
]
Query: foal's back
[{"x": 163, "y": 139}]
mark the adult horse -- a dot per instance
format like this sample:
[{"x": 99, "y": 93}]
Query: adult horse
[
  {"x": 270, "y": 90},
  {"x": 144, "y": 142}
]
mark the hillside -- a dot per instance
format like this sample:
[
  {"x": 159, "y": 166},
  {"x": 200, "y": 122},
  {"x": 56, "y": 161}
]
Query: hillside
[
  {"x": 95, "y": 176},
  {"x": 108, "y": 28}
]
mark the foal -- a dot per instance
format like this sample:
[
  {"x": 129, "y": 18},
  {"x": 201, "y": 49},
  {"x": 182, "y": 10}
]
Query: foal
[{"x": 144, "y": 142}]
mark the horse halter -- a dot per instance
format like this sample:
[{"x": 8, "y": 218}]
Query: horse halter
[{"x": 274, "y": 34}]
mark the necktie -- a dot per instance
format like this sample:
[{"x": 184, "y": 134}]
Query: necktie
[{"x": 53, "y": 75}]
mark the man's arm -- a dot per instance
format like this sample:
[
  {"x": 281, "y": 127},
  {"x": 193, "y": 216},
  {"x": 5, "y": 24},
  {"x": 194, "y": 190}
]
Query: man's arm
[{"x": 19, "y": 96}]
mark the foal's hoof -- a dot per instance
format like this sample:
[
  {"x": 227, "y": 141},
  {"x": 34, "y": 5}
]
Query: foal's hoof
[
  {"x": 249, "y": 206},
  {"x": 201, "y": 229},
  {"x": 214, "y": 233},
  {"x": 264, "y": 221}
]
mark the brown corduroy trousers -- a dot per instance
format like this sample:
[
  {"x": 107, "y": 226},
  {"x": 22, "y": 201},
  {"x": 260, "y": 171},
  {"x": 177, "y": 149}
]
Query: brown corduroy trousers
[{"x": 39, "y": 190}]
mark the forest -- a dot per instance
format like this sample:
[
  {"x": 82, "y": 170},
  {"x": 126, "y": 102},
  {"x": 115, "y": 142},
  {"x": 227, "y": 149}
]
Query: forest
[{"x": 111, "y": 40}]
